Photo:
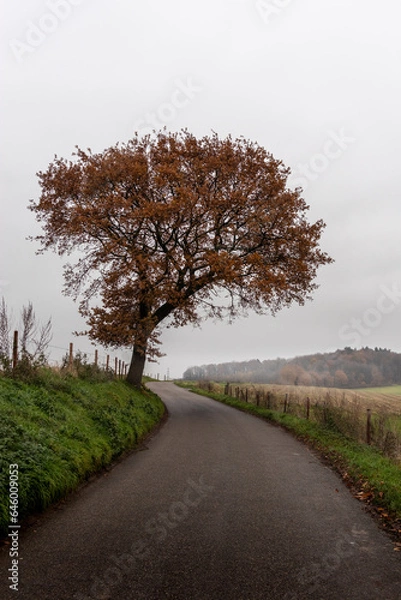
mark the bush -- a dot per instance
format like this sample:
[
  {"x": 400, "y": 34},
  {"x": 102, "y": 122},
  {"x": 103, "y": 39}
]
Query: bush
[{"x": 82, "y": 369}]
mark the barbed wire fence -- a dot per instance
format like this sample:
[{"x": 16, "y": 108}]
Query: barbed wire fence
[
  {"x": 103, "y": 361},
  {"x": 109, "y": 362}
]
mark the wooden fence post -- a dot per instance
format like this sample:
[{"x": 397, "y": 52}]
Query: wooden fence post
[
  {"x": 369, "y": 426},
  {"x": 307, "y": 407},
  {"x": 285, "y": 403},
  {"x": 71, "y": 356},
  {"x": 96, "y": 357},
  {"x": 107, "y": 362},
  {"x": 268, "y": 400},
  {"x": 15, "y": 349},
  {"x": 116, "y": 367},
  {"x": 246, "y": 395}
]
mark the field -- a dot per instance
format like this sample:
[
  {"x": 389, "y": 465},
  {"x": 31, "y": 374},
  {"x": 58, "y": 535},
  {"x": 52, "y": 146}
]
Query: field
[
  {"x": 390, "y": 390},
  {"x": 384, "y": 397},
  {"x": 378, "y": 399}
]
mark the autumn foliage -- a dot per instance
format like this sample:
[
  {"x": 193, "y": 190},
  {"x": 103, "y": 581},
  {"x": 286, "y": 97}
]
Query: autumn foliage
[{"x": 178, "y": 228}]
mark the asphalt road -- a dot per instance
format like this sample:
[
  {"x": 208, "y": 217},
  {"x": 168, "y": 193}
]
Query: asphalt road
[{"x": 219, "y": 505}]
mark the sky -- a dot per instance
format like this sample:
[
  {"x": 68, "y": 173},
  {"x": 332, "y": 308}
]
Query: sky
[{"x": 315, "y": 82}]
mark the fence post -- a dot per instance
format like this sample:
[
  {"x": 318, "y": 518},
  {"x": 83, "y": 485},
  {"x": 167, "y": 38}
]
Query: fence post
[
  {"x": 119, "y": 369},
  {"x": 71, "y": 356},
  {"x": 369, "y": 426},
  {"x": 96, "y": 357},
  {"x": 246, "y": 395},
  {"x": 307, "y": 407},
  {"x": 268, "y": 400},
  {"x": 15, "y": 349},
  {"x": 285, "y": 403},
  {"x": 116, "y": 367},
  {"x": 107, "y": 362}
]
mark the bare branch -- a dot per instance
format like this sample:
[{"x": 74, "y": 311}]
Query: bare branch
[
  {"x": 29, "y": 326},
  {"x": 44, "y": 339},
  {"x": 5, "y": 330}
]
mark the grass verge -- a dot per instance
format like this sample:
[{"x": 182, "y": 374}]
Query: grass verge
[
  {"x": 373, "y": 478},
  {"x": 62, "y": 430}
]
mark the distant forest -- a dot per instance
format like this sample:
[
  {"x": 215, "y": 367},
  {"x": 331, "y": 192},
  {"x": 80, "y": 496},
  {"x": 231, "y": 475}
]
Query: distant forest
[{"x": 348, "y": 368}]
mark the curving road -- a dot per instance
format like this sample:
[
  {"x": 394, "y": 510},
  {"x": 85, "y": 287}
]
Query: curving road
[{"x": 219, "y": 505}]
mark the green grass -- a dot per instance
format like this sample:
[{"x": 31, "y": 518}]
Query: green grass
[
  {"x": 391, "y": 390},
  {"x": 376, "y": 477},
  {"x": 61, "y": 430}
]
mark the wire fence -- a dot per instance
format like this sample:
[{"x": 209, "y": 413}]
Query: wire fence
[
  {"x": 74, "y": 359},
  {"x": 72, "y": 356},
  {"x": 376, "y": 426}
]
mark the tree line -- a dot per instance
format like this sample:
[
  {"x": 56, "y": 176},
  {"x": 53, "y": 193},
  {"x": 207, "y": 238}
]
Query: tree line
[{"x": 346, "y": 368}]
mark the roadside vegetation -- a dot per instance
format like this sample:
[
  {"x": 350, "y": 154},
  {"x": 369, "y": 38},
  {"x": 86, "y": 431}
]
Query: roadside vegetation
[
  {"x": 335, "y": 424},
  {"x": 346, "y": 411},
  {"x": 61, "y": 428}
]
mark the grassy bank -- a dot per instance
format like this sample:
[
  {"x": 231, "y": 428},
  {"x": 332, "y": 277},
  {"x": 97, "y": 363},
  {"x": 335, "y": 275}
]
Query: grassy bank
[
  {"x": 61, "y": 430},
  {"x": 375, "y": 479}
]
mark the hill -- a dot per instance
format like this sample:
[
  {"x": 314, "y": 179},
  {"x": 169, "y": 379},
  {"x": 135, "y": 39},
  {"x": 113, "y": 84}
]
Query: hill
[{"x": 347, "y": 368}]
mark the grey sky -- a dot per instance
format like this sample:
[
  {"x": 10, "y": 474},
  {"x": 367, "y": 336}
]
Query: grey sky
[{"x": 316, "y": 82}]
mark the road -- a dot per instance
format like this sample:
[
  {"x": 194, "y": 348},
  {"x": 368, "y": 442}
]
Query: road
[{"x": 218, "y": 505}]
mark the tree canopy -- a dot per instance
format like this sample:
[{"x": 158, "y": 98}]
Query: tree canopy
[{"x": 172, "y": 226}]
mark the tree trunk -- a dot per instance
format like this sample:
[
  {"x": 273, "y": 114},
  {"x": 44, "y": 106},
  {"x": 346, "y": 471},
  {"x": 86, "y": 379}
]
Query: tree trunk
[{"x": 137, "y": 366}]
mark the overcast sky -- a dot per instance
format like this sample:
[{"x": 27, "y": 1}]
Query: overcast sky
[{"x": 316, "y": 82}]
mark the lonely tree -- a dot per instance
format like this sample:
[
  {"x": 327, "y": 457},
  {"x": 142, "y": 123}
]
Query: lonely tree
[{"x": 176, "y": 228}]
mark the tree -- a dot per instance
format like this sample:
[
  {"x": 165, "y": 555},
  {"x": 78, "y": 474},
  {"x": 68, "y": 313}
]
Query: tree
[
  {"x": 293, "y": 374},
  {"x": 340, "y": 378},
  {"x": 35, "y": 337},
  {"x": 174, "y": 227}
]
